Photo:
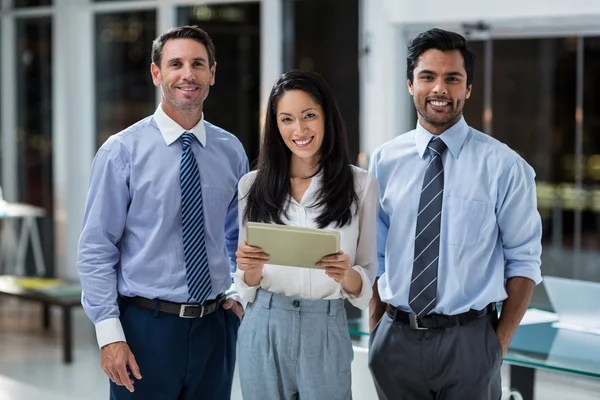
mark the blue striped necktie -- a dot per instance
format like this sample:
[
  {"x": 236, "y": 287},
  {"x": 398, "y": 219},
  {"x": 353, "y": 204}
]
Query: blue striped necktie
[
  {"x": 423, "y": 285},
  {"x": 192, "y": 221}
]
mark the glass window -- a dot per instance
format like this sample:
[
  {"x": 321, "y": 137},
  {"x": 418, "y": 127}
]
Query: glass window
[
  {"x": 31, "y": 3},
  {"x": 34, "y": 122},
  {"x": 325, "y": 41},
  {"x": 124, "y": 90},
  {"x": 534, "y": 113},
  {"x": 590, "y": 235},
  {"x": 473, "y": 110},
  {"x": 234, "y": 100}
]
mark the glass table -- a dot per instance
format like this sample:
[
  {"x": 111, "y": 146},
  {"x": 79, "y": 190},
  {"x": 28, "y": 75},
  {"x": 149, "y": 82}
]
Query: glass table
[{"x": 537, "y": 346}]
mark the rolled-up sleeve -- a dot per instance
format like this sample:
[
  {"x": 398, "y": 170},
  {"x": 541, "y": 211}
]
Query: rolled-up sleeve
[
  {"x": 98, "y": 251},
  {"x": 366, "y": 263},
  {"x": 519, "y": 222}
]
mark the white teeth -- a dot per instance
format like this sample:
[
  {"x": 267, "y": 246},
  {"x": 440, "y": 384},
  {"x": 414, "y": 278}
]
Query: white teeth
[
  {"x": 439, "y": 103},
  {"x": 303, "y": 142},
  {"x": 188, "y": 89}
]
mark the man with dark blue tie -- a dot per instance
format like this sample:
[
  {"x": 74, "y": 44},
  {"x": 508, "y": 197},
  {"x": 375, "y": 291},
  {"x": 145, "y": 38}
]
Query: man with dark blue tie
[
  {"x": 458, "y": 231},
  {"x": 157, "y": 249}
]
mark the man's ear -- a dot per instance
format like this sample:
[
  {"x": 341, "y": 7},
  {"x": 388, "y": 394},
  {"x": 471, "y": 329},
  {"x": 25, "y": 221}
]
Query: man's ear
[
  {"x": 410, "y": 87},
  {"x": 155, "y": 71},
  {"x": 469, "y": 91},
  {"x": 213, "y": 72}
]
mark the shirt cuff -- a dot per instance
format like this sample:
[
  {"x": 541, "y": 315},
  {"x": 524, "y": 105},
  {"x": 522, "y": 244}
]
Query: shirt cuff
[
  {"x": 109, "y": 331},
  {"x": 246, "y": 293},
  {"x": 362, "y": 300},
  {"x": 523, "y": 269},
  {"x": 233, "y": 294}
]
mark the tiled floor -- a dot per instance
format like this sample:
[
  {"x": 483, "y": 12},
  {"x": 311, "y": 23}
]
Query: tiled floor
[
  {"x": 30, "y": 366},
  {"x": 30, "y": 359}
]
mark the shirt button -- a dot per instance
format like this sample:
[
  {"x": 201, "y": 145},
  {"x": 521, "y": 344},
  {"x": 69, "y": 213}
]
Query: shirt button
[{"x": 296, "y": 303}]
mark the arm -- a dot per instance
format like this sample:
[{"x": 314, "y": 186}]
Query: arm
[
  {"x": 231, "y": 241},
  {"x": 247, "y": 282},
  {"x": 357, "y": 286},
  {"x": 519, "y": 292},
  {"x": 98, "y": 252},
  {"x": 98, "y": 257},
  {"x": 521, "y": 233},
  {"x": 232, "y": 228},
  {"x": 376, "y": 306}
]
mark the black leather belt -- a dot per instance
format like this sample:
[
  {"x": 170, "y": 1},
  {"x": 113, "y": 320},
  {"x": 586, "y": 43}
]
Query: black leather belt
[
  {"x": 183, "y": 310},
  {"x": 437, "y": 321}
]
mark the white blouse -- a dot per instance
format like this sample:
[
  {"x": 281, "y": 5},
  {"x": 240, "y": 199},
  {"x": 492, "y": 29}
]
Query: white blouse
[{"x": 358, "y": 240}]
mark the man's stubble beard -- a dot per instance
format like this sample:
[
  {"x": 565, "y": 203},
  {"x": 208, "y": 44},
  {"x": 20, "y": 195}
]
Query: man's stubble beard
[
  {"x": 453, "y": 118},
  {"x": 184, "y": 107}
]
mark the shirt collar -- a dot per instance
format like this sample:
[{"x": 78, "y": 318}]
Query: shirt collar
[
  {"x": 171, "y": 130},
  {"x": 454, "y": 137}
]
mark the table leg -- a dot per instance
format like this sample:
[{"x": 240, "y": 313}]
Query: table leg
[
  {"x": 522, "y": 379},
  {"x": 22, "y": 248},
  {"x": 46, "y": 316},
  {"x": 67, "y": 336},
  {"x": 36, "y": 244},
  {"x": 8, "y": 242}
]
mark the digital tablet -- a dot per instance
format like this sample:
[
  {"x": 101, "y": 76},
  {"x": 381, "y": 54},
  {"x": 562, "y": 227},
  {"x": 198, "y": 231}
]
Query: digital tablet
[{"x": 293, "y": 246}]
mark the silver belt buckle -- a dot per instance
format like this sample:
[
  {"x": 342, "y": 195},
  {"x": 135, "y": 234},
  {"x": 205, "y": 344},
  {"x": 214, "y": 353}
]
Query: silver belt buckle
[
  {"x": 413, "y": 319},
  {"x": 184, "y": 306}
]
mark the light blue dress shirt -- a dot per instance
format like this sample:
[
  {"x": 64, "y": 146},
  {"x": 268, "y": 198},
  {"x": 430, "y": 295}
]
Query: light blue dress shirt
[
  {"x": 131, "y": 242},
  {"x": 490, "y": 230}
]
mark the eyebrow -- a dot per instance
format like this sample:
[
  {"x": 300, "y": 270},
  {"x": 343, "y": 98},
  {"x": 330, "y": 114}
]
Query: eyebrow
[
  {"x": 429, "y": 72},
  {"x": 302, "y": 112}
]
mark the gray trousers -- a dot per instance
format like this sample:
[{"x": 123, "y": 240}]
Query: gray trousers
[
  {"x": 457, "y": 363},
  {"x": 291, "y": 348}
]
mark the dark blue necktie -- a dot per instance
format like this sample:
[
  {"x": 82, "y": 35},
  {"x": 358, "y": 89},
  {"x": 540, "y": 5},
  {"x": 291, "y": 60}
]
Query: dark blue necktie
[
  {"x": 423, "y": 286},
  {"x": 192, "y": 220}
]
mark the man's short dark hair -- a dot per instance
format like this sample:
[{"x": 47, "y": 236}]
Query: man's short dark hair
[
  {"x": 183, "y": 32},
  {"x": 442, "y": 40}
]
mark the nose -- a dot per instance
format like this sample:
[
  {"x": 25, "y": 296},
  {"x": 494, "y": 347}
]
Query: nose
[
  {"x": 440, "y": 87},
  {"x": 188, "y": 73},
  {"x": 302, "y": 126}
]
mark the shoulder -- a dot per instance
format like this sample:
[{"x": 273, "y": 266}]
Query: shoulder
[
  {"x": 246, "y": 182},
  {"x": 223, "y": 140},
  {"x": 120, "y": 144},
  {"x": 362, "y": 178},
  {"x": 496, "y": 152},
  {"x": 390, "y": 149},
  {"x": 364, "y": 182}
]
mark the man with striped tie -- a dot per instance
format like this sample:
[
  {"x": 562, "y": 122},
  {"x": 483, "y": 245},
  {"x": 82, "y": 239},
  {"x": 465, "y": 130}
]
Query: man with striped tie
[
  {"x": 157, "y": 249},
  {"x": 458, "y": 231}
]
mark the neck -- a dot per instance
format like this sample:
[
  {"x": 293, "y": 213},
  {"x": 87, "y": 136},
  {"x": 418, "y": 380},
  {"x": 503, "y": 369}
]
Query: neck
[
  {"x": 187, "y": 119},
  {"x": 438, "y": 129},
  {"x": 303, "y": 167}
]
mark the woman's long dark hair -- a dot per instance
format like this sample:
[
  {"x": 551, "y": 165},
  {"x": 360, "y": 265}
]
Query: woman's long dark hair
[{"x": 267, "y": 199}]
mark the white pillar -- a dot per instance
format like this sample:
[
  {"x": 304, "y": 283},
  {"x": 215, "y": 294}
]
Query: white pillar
[
  {"x": 385, "y": 105},
  {"x": 74, "y": 131},
  {"x": 166, "y": 19},
  {"x": 271, "y": 52},
  {"x": 8, "y": 95}
]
